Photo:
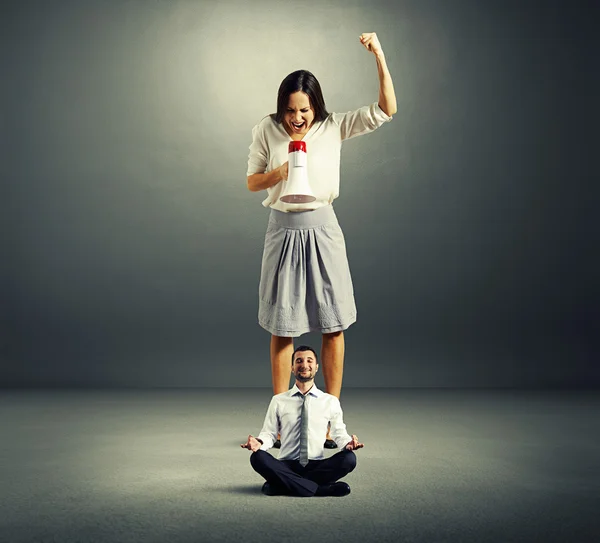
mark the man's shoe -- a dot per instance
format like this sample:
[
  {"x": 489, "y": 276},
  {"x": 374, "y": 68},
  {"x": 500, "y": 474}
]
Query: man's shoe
[
  {"x": 270, "y": 490},
  {"x": 277, "y": 444},
  {"x": 330, "y": 444},
  {"x": 338, "y": 489}
]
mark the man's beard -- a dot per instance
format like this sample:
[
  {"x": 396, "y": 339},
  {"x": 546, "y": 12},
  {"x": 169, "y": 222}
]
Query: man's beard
[{"x": 303, "y": 379}]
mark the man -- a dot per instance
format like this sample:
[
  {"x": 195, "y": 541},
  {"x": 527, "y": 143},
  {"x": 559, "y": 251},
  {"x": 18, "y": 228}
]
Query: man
[{"x": 301, "y": 416}]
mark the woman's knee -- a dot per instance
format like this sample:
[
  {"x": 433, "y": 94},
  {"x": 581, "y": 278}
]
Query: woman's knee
[{"x": 282, "y": 341}]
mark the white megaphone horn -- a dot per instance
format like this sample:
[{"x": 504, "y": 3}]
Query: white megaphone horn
[{"x": 296, "y": 189}]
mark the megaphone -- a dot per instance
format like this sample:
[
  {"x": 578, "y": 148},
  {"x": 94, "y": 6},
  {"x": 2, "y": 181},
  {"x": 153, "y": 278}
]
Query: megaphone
[{"x": 296, "y": 189}]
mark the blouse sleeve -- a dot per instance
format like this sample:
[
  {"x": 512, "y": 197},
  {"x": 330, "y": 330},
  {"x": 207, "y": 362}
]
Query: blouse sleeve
[
  {"x": 362, "y": 121},
  {"x": 258, "y": 157}
]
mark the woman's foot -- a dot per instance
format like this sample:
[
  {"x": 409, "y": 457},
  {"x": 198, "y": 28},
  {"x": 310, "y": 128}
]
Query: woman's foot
[{"x": 330, "y": 444}]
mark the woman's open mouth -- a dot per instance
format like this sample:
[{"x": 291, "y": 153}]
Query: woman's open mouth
[{"x": 298, "y": 126}]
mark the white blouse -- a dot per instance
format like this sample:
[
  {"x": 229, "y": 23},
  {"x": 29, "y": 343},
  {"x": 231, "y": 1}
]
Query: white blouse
[{"x": 269, "y": 150}]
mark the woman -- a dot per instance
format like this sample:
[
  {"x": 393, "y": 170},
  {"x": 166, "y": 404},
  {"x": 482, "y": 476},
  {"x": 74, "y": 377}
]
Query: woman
[{"x": 305, "y": 280}]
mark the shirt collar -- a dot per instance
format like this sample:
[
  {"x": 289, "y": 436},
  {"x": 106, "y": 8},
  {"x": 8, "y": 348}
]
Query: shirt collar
[{"x": 314, "y": 391}]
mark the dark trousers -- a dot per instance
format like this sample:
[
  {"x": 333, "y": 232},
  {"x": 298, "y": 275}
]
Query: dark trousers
[{"x": 291, "y": 478}]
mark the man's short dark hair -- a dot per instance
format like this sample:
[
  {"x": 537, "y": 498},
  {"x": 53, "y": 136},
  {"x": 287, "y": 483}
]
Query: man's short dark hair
[
  {"x": 301, "y": 80},
  {"x": 302, "y": 348}
]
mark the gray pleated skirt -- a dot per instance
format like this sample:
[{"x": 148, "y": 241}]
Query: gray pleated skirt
[{"x": 305, "y": 283}]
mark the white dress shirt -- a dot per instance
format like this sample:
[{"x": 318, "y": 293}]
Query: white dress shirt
[
  {"x": 283, "y": 417},
  {"x": 269, "y": 150}
]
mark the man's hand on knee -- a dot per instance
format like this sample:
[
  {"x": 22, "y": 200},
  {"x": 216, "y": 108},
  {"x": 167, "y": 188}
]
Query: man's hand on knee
[
  {"x": 354, "y": 444},
  {"x": 252, "y": 444}
]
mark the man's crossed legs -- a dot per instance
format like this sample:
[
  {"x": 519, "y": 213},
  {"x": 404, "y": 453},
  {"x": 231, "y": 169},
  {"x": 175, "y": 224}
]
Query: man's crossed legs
[{"x": 317, "y": 478}]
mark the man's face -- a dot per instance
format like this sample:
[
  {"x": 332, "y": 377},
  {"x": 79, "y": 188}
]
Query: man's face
[{"x": 304, "y": 366}]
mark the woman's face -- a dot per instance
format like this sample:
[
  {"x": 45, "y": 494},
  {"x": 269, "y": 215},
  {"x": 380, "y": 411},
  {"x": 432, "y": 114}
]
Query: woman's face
[{"x": 299, "y": 114}]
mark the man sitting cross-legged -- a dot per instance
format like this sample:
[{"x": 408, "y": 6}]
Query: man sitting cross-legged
[{"x": 301, "y": 416}]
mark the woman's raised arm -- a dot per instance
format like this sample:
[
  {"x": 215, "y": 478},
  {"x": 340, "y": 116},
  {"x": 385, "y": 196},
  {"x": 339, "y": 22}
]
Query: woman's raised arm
[{"x": 387, "y": 96}]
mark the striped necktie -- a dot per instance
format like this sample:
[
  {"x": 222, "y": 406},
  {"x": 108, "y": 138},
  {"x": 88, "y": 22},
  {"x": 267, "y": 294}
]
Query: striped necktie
[{"x": 304, "y": 432}]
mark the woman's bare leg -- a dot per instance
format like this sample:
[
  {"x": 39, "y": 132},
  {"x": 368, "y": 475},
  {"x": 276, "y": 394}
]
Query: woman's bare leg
[
  {"x": 332, "y": 363},
  {"x": 282, "y": 349}
]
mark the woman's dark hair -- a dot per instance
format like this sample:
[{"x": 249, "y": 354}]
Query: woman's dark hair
[{"x": 301, "y": 80}]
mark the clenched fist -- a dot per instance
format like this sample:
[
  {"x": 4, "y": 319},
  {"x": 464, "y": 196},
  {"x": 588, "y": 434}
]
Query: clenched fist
[
  {"x": 283, "y": 171},
  {"x": 371, "y": 42}
]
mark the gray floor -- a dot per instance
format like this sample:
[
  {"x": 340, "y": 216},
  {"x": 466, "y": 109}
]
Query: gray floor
[{"x": 166, "y": 466}]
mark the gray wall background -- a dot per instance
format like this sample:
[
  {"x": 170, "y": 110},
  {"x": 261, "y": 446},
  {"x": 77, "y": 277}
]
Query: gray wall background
[{"x": 131, "y": 247}]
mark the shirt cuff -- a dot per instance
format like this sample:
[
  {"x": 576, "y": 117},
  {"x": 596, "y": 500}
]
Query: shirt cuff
[
  {"x": 267, "y": 442},
  {"x": 342, "y": 441},
  {"x": 381, "y": 115}
]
